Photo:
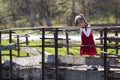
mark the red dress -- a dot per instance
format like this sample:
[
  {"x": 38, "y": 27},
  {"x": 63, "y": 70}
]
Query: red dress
[{"x": 87, "y": 39}]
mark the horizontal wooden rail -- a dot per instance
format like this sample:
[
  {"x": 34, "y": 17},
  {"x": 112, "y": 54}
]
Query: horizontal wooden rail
[
  {"x": 78, "y": 45},
  {"x": 19, "y": 36},
  {"x": 112, "y": 38},
  {"x": 50, "y": 46},
  {"x": 8, "y": 55},
  {"x": 94, "y": 26},
  {"x": 53, "y": 38}
]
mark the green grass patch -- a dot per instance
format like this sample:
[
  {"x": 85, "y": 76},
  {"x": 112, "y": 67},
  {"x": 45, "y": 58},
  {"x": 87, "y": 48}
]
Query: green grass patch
[{"x": 61, "y": 51}]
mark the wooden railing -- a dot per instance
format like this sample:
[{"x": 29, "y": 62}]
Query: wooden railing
[{"x": 103, "y": 42}]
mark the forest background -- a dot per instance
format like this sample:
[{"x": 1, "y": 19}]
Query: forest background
[{"x": 34, "y": 13}]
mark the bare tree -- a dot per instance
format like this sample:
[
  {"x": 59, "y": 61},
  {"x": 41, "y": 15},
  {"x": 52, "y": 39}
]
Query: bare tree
[
  {"x": 44, "y": 8},
  {"x": 71, "y": 21}
]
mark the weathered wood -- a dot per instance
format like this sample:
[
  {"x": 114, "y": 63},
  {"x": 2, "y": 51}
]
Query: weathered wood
[
  {"x": 94, "y": 26},
  {"x": 114, "y": 38},
  {"x": 113, "y": 46},
  {"x": 7, "y": 47},
  {"x": 19, "y": 36},
  {"x": 74, "y": 60},
  {"x": 6, "y": 32},
  {"x": 110, "y": 39},
  {"x": 78, "y": 45},
  {"x": 53, "y": 38},
  {"x": 50, "y": 46}
]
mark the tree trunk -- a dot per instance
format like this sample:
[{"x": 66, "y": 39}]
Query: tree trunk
[
  {"x": 32, "y": 15},
  {"x": 12, "y": 13},
  {"x": 71, "y": 21},
  {"x": 45, "y": 13}
]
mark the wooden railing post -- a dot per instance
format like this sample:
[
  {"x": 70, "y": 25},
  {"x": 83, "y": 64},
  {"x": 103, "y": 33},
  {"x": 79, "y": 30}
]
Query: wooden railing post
[
  {"x": 26, "y": 36},
  {"x": 0, "y": 58},
  {"x": 18, "y": 45},
  {"x": 101, "y": 40},
  {"x": 105, "y": 66},
  {"x": 11, "y": 68},
  {"x": 67, "y": 42},
  {"x": 105, "y": 39},
  {"x": 43, "y": 53},
  {"x": 105, "y": 54},
  {"x": 56, "y": 52}
]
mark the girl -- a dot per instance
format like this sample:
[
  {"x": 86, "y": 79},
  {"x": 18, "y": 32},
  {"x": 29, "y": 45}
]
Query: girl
[{"x": 87, "y": 41}]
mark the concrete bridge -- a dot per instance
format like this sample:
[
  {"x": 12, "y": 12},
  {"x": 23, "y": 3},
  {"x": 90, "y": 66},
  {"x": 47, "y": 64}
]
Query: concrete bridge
[{"x": 69, "y": 67}]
